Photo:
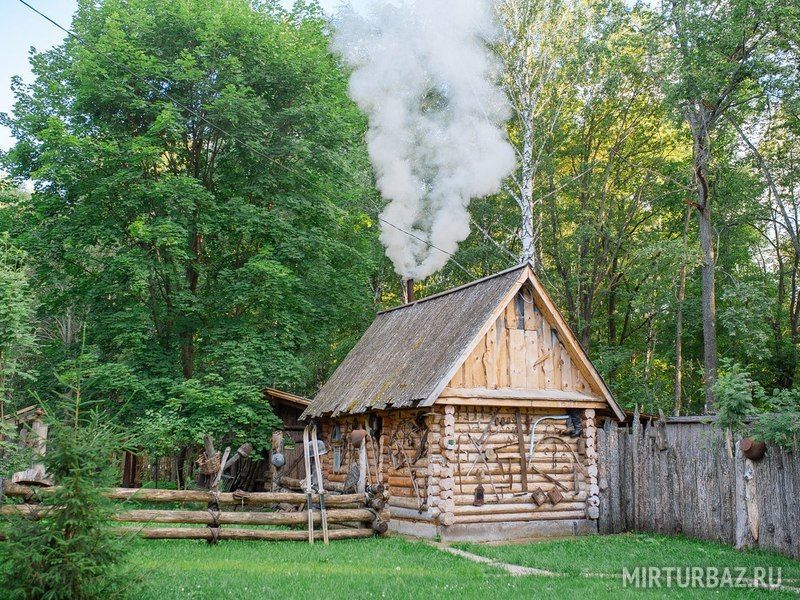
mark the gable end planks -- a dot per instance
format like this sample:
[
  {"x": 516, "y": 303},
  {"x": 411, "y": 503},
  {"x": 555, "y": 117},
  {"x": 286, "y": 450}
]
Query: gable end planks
[{"x": 522, "y": 350}]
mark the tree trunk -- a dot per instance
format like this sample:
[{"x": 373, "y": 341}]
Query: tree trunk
[
  {"x": 681, "y": 295},
  {"x": 699, "y": 124},
  {"x": 709, "y": 307},
  {"x": 585, "y": 328},
  {"x": 794, "y": 316},
  {"x": 613, "y": 279},
  {"x": 525, "y": 200},
  {"x": 187, "y": 354},
  {"x": 192, "y": 278},
  {"x": 179, "y": 468},
  {"x": 2, "y": 387}
]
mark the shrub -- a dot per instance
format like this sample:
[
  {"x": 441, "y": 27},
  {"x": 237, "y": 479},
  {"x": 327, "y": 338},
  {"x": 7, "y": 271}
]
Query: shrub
[
  {"x": 13, "y": 455},
  {"x": 780, "y": 423},
  {"x": 734, "y": 391},
  {"x": 738, "y": 396},
  {"x": 69, "y": 552}
]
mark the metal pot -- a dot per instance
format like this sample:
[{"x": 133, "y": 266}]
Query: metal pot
[
  {"x": 357, "y": 436},
  {"x": 321, "y": 447},
  {"x": 752, "y": 449}
]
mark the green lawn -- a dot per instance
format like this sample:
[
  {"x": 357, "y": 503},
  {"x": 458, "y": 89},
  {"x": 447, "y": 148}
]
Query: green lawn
[
  {"x": 397, "y": 568},
  {"x": 609, "y": 554}
]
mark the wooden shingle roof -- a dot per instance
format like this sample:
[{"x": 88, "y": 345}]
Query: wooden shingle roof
[{"x": 407, "y": 351}]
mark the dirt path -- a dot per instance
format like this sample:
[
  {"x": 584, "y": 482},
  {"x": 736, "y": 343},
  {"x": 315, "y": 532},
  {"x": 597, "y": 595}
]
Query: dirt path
[{"x": 515, "y": 570}]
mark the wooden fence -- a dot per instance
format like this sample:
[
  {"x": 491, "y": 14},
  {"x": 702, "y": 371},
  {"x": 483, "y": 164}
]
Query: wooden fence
[
  {"x": 685, "y": 475},
  {"x": 350, "y": 515}
]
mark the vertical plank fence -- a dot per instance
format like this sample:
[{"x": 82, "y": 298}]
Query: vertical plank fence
[{"x": 686, "y": 476}]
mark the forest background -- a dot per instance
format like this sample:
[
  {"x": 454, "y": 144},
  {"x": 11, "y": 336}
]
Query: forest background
[{"x": 189, "y": 213}]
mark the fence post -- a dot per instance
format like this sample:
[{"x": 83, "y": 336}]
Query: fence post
[
  {"x": 602, "y": 478},
  {"x": 634, "y": 437},
  {"x": 744, "y": 538}
]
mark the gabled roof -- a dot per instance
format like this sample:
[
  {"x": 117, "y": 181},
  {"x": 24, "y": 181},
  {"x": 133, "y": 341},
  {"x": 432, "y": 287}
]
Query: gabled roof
[{"x": 409, "y": 353}]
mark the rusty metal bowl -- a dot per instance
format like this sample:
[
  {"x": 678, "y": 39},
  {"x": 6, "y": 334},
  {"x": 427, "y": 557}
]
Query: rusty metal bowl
[
  {"x": 752, "y": 449},
  {"x": 357, "y": 437}
]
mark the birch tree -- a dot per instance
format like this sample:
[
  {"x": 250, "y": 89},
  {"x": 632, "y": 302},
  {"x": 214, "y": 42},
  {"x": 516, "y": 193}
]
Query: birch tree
[{"x": 538, "y": 38}]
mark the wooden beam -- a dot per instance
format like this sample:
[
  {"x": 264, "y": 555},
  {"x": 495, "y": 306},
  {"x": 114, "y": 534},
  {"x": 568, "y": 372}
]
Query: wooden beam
[
  {"x": 518, "y": 394},
  {"x": 521, "y": 403},
  {"x": 153, "y": 495},
  {"x": 205, "y": 533},
  {"x": 340, "y": 515}
]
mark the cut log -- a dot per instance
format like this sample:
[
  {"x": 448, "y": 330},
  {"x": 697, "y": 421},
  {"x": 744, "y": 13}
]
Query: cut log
[
  {"x": 514, "y": 498},
  {"x": 361, "y": 515},
  {"x": 530, "y": 509},
  {"x": 532, "y": 516},
  {"x": 293, "y": 483},
  {"x": 242, "y": 451},
  {"x": 34, "y": 476},
  {"x": 151, "y": 495},
  {"x": 206, "y": 533}
]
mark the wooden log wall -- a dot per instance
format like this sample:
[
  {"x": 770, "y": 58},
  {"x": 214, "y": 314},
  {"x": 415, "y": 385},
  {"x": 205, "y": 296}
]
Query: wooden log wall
[
  {"x": 406, "y": 462},
  {"x": 521, "y": 350},
  {"x": 349, "y": 455},
  {"x": 431, "y": 462},
  {"x": 474, "y": 446},
  {"x": 691, "y": 478},
  {"x": 398, "y": 458}
]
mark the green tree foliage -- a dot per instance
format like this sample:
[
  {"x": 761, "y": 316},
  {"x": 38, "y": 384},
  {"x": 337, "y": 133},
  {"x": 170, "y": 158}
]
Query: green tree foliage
[
  {"x": 739, "y": 397},
  {"x": 207, "y": 262},
  {"x": 735, "y": 392},
  {"x": 613, "y": 173},
  {"x": 17, "y": 342},
  {"x": 199, "y": 206}
]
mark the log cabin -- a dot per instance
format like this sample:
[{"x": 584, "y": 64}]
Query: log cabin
[{"x": 478, "y": 411}]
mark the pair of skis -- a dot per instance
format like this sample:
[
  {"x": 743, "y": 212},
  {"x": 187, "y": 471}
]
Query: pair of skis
[{"x": 310, "y": 446}]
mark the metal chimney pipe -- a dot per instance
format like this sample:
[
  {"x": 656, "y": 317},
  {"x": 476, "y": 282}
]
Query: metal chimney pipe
[{"x": 409, "y": 291}]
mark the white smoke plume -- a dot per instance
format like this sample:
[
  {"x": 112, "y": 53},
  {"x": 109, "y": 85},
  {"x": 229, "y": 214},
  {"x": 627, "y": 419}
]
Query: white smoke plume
[{"x": 427, "y": 81}]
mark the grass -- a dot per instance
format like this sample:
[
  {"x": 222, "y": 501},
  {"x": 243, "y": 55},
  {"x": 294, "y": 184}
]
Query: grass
[
  {"x": 609, "y": 554},
  {"x": 397, "y": 568}
]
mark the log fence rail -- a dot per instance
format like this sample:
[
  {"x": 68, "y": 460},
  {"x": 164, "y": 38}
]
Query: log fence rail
[{"x": 351, "y": 515}]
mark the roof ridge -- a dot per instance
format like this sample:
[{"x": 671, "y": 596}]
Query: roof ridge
[{"x": 456, "y": 289}]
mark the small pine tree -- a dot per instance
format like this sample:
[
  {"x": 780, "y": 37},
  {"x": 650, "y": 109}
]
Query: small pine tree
[{"x": 69, "y": 552}]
